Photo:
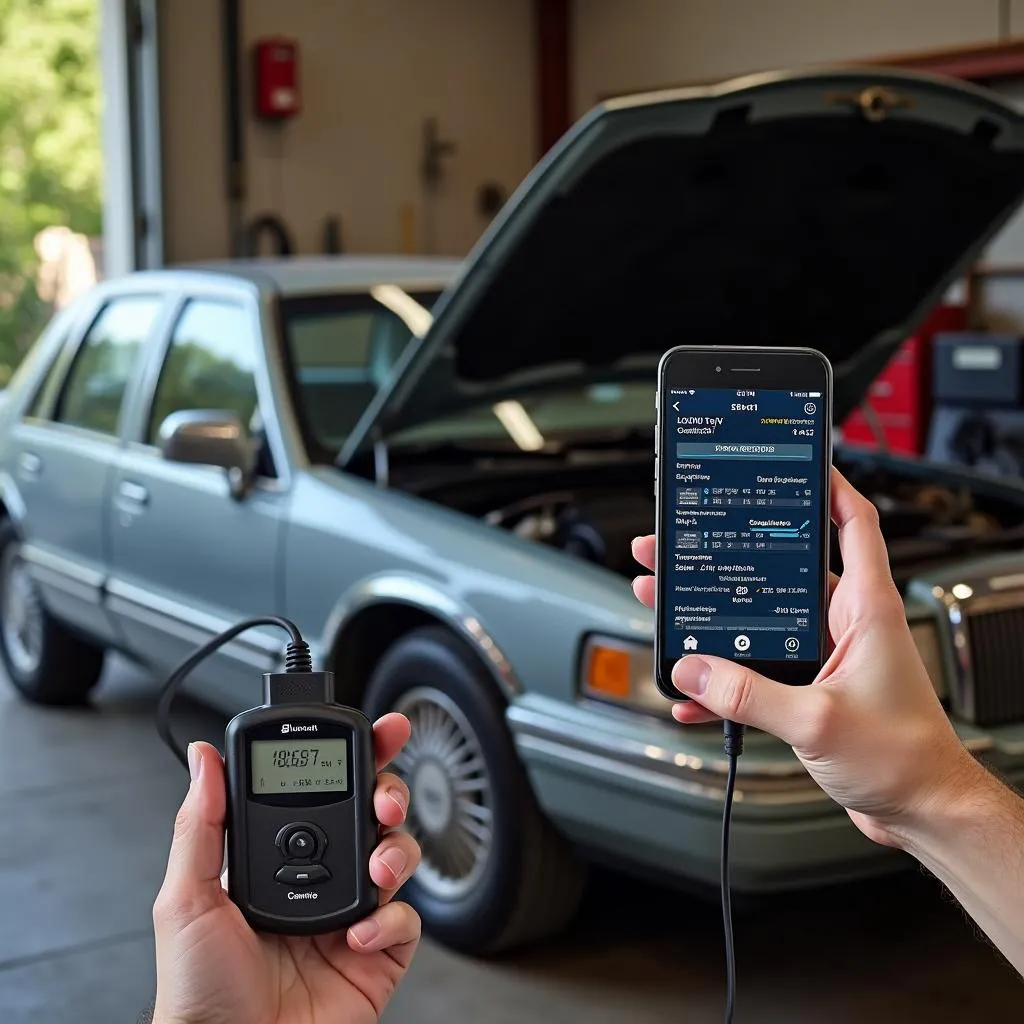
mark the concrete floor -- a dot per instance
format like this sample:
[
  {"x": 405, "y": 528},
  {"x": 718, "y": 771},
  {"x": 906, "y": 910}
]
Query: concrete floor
[{"x": 87, "y": 798}]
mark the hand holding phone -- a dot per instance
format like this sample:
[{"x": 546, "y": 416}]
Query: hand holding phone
[{"x": 742, "y": 468}]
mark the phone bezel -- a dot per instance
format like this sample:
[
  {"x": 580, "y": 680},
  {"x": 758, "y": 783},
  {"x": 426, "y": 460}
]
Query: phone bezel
[{"x": 740, "y": 367}]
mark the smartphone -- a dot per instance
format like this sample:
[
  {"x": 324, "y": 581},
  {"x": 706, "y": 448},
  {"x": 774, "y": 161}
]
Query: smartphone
[{"x": 742, "y": 468}]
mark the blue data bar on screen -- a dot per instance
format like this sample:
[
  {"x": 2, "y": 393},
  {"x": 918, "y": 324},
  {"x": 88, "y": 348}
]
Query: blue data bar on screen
[{"x": 738, "y": 450}]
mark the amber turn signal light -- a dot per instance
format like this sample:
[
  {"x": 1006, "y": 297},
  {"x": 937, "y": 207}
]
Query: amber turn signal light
[{"x": 609, "y": 671}]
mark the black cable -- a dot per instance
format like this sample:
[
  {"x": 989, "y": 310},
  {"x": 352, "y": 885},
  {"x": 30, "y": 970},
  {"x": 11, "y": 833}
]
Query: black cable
[
  {"x": 297, "y": 659},
  {"x": 733, "y": 744}
]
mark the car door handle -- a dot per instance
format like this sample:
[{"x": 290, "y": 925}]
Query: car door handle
[
  {"x": 132, "y": 497},
  {"x": 30, "y": 466}
]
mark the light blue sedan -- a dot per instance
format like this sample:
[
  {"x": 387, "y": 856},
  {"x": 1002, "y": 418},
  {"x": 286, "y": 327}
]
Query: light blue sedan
[{"x": 435, "y": 469}]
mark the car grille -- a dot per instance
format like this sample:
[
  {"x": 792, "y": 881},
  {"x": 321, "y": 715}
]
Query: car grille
[{"x": 995, "y": 639}]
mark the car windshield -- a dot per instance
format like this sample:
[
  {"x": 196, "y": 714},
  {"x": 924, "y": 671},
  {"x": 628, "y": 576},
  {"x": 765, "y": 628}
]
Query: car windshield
[
  {"x": 340, "y": 349},
  {"x": 559, "y": 415}
]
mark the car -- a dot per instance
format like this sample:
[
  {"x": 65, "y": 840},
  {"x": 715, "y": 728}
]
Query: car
[{"x": 435, "y": 469}]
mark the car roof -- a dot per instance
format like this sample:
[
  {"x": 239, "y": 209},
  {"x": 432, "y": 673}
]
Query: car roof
[{"x": 305, "y": 275}]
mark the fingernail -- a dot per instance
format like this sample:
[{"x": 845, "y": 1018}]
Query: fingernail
[
  {"x": 365, "y": 931},
  {"x": 397, "y": 797},
  {"x": 691, "y": 675},
  {"x": 195, "y": 762},
  {"x": 395, "y": 860}
]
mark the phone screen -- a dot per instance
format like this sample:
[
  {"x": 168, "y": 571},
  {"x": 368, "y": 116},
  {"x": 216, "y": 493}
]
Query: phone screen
[{"x": 743, "y": 509}]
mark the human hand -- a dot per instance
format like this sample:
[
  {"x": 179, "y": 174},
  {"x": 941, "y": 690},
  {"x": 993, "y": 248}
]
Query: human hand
[
  {"x": 870, "y": 729},
  {"x": 212, "y": 968}
]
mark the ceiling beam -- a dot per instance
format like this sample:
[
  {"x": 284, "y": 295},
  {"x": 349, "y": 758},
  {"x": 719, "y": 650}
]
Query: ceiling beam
[{"x": 985, "y": 64}]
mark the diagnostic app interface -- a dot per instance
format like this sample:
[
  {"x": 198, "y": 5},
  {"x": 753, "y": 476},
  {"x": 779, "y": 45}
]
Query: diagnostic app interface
[{"x": 741, "y": 500}]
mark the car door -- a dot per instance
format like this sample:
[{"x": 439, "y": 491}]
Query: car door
[
  {"x": 187, "y": 558},
  {"x": 62, "y": 455}
]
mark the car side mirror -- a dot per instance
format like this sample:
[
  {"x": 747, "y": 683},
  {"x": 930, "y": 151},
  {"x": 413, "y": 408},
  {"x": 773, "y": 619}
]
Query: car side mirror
[{"x": 210, "y": 437}]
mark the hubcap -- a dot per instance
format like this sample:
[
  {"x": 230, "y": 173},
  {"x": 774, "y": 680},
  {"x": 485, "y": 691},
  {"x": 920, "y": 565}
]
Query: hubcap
[
  {"x": 21, "y": 612},
  {"x": 451, "y": 812}
]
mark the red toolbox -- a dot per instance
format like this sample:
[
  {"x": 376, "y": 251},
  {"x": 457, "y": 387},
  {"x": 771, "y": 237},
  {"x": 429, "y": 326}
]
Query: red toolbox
[{"x": 900, "y": 397}]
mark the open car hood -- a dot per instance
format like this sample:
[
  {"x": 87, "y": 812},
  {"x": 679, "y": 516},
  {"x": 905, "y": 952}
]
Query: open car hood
[{"x": 830, "y": 209}]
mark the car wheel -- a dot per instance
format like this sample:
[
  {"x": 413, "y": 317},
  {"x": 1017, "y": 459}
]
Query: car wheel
[
  {"x": 46, "y": 662},
  {"x": 495, "y": 873}
]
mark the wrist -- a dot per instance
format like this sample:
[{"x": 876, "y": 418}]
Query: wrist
[{"x": 961, "y": 788}]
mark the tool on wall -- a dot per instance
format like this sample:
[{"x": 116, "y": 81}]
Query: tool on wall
[
  {"x": 333, "y": 242},
  {"x": 490, "y": 198},
  {"x": 267, "y": 224},
  {"x": 435, "y": 150}
]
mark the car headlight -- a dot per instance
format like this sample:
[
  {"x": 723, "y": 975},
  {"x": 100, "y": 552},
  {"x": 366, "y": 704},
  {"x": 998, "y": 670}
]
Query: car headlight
[{"x": 622, "y": 673}]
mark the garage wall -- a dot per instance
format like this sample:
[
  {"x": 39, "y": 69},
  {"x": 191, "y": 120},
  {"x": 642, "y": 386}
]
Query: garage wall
[
  {"x": 372, "y": 73},
  {"x": 623, "y": 46}
]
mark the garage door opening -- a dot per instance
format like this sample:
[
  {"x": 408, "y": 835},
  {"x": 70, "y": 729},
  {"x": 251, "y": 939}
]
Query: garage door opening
[{"x": 50, "y": 165}]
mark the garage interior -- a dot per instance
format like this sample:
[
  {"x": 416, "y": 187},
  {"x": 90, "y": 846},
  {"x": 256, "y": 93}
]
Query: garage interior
[{"x": 251, "y": 129}]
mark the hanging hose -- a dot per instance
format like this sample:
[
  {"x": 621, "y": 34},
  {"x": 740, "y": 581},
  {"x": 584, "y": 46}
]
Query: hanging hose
[{"x": 267, "y": 224}]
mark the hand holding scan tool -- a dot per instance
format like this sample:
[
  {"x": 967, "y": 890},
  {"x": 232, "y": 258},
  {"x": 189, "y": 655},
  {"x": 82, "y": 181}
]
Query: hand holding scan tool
[{"x": 308, "y": 929}]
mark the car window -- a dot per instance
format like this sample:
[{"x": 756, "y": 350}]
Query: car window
[
  {"x": 104, "y": 364},
  {"x": 210, "y": 364},
  {"x": 334, "y": 341},
  {"x": 341, "y": 349},
  {"x": 44, "y": 391}
]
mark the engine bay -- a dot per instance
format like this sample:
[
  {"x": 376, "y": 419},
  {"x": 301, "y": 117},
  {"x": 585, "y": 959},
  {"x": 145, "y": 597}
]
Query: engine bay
[
  {"x": 593, "y": 506},
  {"x": 929, "y": 523}
]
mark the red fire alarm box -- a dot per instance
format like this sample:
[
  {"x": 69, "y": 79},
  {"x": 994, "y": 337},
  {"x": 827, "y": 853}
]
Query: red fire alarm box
[{"x": 277, "y": 79}]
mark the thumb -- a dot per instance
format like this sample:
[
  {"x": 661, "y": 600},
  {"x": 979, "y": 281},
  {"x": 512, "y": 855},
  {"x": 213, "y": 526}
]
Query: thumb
[
  {"x": 736, "y": 693},
  {"x": 192, "y": 882}
]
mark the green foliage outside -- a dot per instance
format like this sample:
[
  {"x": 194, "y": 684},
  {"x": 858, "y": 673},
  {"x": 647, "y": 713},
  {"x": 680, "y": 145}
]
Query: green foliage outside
[
  {"x": 193, "y": 377},
  {"x": 50, "y": 148}
]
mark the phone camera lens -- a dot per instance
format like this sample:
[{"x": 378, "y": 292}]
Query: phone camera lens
[{"x": 718, "y": 369}]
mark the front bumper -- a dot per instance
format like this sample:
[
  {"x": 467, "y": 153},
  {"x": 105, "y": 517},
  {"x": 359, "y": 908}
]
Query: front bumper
[{"x": 649, "y": 793}]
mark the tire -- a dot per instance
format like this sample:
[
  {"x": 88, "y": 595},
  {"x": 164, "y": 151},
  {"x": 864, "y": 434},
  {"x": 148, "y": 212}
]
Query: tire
[
  {"x": 525, "y": 883},
  {"x": 53, "y": 666}
]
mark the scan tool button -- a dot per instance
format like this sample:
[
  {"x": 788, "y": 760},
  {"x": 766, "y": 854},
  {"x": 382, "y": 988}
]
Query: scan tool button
[
  {"x": 302, "y": 874},
  {"x": 301, "y": 843}
]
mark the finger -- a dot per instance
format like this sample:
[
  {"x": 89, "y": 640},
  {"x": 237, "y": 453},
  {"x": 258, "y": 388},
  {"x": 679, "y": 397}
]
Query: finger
[
  {"x": 393, "y": 862},
  {"x": 734, "y": 692},
  {"x": 833, "y": 582},
  {"x": 390, "y": 800},
  {"x": 867, "y": 589},
  {"x": 691, "y": 713},
  {"x": 394, "y": 927},
  {"x": 192, "y": 881},
  {"x": 860, "y": 538},
  {"x": 390, "y": 733},
  {"x": 644, "y": 550},
  {"x": 643, "y": 588}
]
